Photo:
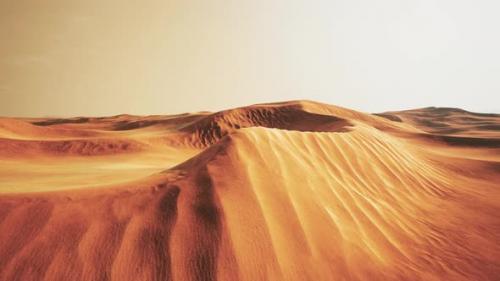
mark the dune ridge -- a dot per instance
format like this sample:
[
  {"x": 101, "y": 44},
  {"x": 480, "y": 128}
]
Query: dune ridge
[
  {"x": 287, "y": 191},
  {"x": 292, "y": 116}
]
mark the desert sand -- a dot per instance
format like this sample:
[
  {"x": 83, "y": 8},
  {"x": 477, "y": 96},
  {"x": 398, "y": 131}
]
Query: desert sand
[{"x": 286, "y": 191}]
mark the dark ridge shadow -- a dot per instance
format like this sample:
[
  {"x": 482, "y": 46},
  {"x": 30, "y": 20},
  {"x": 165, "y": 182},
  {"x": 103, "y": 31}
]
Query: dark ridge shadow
[
  {"x": 167, "y": 213},
  {"x": 464, "y": 141},
  {"x": 59, "y": 121},
  {"x": 208, "y": 216},
  {"x": 390, "y": 117}
]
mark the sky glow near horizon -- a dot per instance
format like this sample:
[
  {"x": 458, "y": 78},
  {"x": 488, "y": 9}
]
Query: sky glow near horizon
[{"x": 94, "y": 57}]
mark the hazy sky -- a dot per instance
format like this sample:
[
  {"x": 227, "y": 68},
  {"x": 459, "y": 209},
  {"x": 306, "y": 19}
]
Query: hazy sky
[{"x": 105, "y": 57}]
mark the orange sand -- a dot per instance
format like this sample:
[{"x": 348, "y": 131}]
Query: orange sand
[{"x": 285, "y": 191}]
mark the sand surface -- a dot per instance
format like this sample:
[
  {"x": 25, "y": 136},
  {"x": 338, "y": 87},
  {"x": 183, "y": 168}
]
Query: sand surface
[{"x": 286, "y": 191}]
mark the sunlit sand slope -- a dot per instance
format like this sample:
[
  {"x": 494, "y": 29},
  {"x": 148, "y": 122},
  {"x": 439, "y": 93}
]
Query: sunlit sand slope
[{"x": 288, "y": 191}]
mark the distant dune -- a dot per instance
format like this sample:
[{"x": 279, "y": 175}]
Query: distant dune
[{"x": 285, "y": 191}]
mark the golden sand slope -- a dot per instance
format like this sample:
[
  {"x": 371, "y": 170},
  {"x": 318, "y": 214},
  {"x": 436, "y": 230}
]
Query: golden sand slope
[{"x": 287, "y": 191}]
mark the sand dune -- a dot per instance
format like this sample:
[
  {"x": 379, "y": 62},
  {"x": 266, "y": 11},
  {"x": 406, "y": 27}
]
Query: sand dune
[
  {"x": 450, "y": 121},
  {"x": 286, "y": 191}
]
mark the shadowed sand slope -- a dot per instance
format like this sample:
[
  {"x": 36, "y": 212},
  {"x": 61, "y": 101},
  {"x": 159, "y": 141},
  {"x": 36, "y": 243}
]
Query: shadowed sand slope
[
  {"x": 285, "y": 191},
  {"x": 450, "y": 121}
]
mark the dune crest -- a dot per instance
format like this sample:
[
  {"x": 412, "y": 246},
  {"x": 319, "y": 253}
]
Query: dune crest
[{"x": 286, "y": 191}]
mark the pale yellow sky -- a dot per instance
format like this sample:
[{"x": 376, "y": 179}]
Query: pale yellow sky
[{"x": 106, "y": 57}]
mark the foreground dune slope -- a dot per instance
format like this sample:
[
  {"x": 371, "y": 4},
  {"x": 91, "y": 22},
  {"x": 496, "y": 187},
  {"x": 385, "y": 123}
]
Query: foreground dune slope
[{"x": 288, "y": 191}]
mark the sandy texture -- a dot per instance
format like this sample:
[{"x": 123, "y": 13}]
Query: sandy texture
[{"x": 285, "y": 191}]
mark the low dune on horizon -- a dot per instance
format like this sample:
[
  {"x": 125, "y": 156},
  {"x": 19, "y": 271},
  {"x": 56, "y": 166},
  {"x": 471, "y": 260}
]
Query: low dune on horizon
[{"x": 295, "y": 190}]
